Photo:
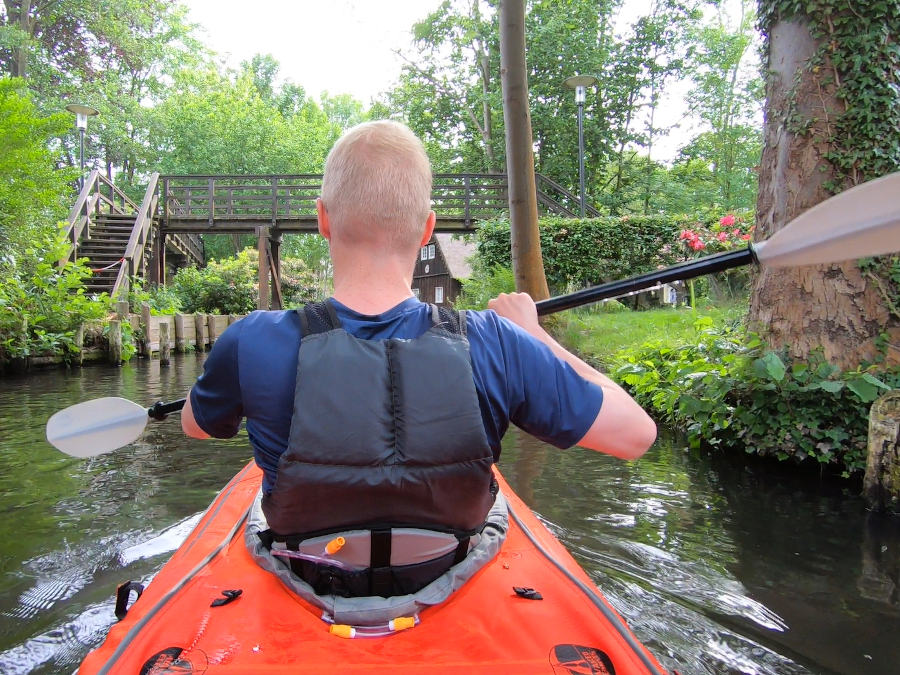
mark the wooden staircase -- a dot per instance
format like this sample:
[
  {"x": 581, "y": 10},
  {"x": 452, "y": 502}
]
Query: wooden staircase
[
  {"x": 105, "y": 249},
  {"x": 122, "y": 240}
]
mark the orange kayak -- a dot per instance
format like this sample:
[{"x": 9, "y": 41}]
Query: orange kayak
[{"x": 486, "y": 627}]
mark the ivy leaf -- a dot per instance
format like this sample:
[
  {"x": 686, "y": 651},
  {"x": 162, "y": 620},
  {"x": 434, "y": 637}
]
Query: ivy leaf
[
  {"x": 774, "y": 366},
  {"x": 866, "y": 391},
  {"x": 831, "y": 386}
]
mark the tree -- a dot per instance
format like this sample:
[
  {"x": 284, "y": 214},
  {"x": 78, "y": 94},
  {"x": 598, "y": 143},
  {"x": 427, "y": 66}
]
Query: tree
[
  {"x": 528, "y": 265},
  {"x": 832, "y": 114},
  {"x": 33, "y": 192},
  {"x": 726, "y": 97}
]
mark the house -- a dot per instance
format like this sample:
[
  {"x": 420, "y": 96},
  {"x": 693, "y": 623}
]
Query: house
[{"x": 442, "y": 265}]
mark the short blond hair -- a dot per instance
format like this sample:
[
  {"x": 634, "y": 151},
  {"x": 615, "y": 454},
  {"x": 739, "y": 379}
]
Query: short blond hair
[{"x": 377, "y": 185}]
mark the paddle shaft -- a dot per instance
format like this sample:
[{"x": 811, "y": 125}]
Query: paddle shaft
[
  {"x": 710, "y": 264},
  {"x": 159, "y": 410}
]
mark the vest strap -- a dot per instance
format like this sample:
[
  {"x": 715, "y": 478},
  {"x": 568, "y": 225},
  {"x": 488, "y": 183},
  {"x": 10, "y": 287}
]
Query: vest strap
[
  {"x": 380, "y": 564},
  {"x": 317, "y": 317}
]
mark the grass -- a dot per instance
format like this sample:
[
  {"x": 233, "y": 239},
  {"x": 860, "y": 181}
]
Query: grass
[{"x": 597, "y": 335}]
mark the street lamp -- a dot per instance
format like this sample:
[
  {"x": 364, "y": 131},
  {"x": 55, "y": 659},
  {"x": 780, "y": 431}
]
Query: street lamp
[
  {"x": 82, "y": 112},
  {"x": 578, "y": 83}
]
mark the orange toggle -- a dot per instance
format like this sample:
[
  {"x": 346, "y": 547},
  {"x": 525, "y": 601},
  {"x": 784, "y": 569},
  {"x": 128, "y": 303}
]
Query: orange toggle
[
  {"x": 402, "y": 623},
  {"x": 335, "y": 545},
  {"x": 342, "y": 630}
]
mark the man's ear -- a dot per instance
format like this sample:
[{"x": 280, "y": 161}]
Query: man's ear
[
  {"x": 429, "y": 228},
  {"x": 322, "y": 217}
]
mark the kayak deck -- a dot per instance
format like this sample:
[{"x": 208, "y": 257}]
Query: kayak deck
[{"x": 484, "y": 627}]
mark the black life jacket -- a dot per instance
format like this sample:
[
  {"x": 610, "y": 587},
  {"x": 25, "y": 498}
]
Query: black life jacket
[{"x": 385, "y": 435}]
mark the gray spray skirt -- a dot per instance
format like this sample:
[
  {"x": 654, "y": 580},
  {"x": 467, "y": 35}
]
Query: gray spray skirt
[{"x": 375, "y": 610}]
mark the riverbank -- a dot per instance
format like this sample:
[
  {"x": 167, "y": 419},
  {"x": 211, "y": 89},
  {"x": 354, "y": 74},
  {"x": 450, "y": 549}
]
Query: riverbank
[
  {"x": 120, "y": 336},
  {"x": 702, "y": 373}
]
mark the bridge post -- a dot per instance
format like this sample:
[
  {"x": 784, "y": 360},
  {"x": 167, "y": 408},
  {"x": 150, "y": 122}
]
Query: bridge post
[
  {"x": 275, "y": 251},
  {"x": 262, "y": 245}
]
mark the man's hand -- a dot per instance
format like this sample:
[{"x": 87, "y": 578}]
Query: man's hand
[
  {"x": 622, "y": 428},
  {"x": 518, "y": 308}
]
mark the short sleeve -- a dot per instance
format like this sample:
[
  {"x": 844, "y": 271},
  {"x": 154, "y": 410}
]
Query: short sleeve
[
  {"x": 216, "y": 395},
  {"x": 528, "y": 385}
]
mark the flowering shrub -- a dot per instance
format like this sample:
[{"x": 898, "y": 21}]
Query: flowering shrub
[{"x": 730, "y": 231}]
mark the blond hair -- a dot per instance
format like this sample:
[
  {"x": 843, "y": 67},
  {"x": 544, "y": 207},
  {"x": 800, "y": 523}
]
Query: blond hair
[{"x": 377, "y": 185}]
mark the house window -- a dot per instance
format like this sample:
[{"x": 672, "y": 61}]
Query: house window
[
  {"x": 416, "y": 293},
  {"x": 423, "y": 255},
  {"x": 439, "y": 294},
  {"x": 431, "y": 251}
]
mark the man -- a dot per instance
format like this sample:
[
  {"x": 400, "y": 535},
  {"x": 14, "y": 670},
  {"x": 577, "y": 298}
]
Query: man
[{"x": 372, "y": 410}]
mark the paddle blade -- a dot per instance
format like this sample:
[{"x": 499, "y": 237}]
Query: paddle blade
[
  {"x": 96, "y": 427},
  {"x": 857, "y": 223}
]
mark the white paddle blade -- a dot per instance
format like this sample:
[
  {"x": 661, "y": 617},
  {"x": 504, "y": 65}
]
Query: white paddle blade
[
  {"x": 857, "y": 223},
  {"x": 96, "y": 427}
]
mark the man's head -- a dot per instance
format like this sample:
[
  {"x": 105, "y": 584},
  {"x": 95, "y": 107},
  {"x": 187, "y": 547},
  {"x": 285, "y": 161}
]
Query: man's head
[{"x": 377, "y": 187}]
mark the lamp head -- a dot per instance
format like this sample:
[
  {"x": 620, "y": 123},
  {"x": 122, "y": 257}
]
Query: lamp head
[
  {"x": 579, "y": 83},
  {"x": 82, "y": 112}
]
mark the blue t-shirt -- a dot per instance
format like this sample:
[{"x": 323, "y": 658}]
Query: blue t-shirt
[{"x": 252, "y": 369}]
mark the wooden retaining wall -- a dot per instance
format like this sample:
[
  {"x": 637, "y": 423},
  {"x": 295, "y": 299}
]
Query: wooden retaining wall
[{"x": 186, "y": 331}]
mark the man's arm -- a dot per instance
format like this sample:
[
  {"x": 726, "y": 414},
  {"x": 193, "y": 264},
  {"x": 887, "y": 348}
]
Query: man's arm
[
  {"x": 621, "y": 428},
  {"x": 189, "y": 423}
]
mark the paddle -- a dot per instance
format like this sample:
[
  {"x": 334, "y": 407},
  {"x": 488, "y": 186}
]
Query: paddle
[
  {"x": 824, "y": 233},
  {"x": 103, "y": 424},
  {"x": 860, "y": 222}
]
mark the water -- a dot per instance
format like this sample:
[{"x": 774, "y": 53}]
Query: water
[{"x": 718, "y": 566}]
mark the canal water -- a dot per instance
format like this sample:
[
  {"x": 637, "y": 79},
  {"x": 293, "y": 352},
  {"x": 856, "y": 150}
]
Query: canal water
[{"x": 718, "y": 566}]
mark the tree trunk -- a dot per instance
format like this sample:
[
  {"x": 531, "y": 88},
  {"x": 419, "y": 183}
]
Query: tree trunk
[
  {"x": 528, "y": 265},
  {"x": 829, "y": 306}
]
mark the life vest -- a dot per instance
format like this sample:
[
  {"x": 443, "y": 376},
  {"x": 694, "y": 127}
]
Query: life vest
[{"x": 387, "y": 455}]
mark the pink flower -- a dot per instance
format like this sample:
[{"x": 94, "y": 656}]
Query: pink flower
[
  {"x": 685, "y": 234},
  {"x": 697, "y": 245},
  {"x": 722, "y": 236},
  {"x": 746, "y": 237},
  {"x": 736, "y": 232},
  {"x": 726, "y": 221}
]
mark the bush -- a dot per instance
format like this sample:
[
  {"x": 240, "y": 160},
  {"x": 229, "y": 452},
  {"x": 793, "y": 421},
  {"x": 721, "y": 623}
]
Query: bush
[
  {"x": 230, "y": 285},
  {"x": 727, "y": 391},
  {"x": 42, "y": 304},
  {"x": 222, "y": 287},
  {"x": 163, "y": 300},
  {"x": 485, "y": 284},
  {"x": 580, "y": 253}
]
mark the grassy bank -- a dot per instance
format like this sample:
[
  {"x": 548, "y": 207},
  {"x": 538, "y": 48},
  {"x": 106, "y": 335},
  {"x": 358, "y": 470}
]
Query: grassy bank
[{"x": 597, "y": 336}]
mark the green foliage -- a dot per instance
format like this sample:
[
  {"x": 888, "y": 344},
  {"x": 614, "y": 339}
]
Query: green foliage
[
  {"x": 163, "y": 300},
  {"x": 726, "y": 391},
  {"x": 222, "y": 287},
  {"x": 42, "y": 304},
  {"x": 590, "y": 251},
  {"x": 219, "y": 124},
  {"x": 33, "y": 192},
  {"x": 485, "y": 284},
  {"x": 230, "y": 285}
]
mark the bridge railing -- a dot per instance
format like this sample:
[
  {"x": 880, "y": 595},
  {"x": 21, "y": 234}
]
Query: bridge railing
[
  {"x": 252, "y": 198},
  {"x": 97, "y": 195},
  {"x": 203, "y": 201}
]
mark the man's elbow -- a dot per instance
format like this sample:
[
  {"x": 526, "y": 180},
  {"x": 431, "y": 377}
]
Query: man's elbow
[{"x": 639, "y": 438}]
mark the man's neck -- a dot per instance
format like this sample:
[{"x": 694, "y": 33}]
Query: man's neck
[{"x": 373, "y": 284}]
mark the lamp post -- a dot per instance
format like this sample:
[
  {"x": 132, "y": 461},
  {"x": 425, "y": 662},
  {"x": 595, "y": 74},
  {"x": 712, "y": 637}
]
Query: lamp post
[
  {"x": 82, "y": 112},
  {"x": 579, "y": 83}
]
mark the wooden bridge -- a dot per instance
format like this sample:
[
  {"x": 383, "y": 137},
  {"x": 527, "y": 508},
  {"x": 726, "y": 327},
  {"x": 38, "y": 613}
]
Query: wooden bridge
[{"x": 124, "y": 240}]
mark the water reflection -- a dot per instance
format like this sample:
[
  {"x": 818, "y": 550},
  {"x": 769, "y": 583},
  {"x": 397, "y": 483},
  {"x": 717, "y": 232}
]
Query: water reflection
[{"x": 718, "y": 566}]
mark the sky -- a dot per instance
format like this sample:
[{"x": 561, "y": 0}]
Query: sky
[{"x": 339, "y": 46}]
